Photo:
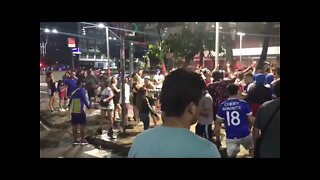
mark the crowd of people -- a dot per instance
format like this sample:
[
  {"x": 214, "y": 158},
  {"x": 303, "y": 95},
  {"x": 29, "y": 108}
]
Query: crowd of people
[
  {"x": 245, "y": 102},
  {"x": 104, "y": 93}
]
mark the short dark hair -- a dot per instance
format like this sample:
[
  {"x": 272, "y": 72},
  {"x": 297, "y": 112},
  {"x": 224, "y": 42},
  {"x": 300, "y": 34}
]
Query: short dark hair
[
  {"x": 180, "y": 88},
  {"x": 80, "y": 82},
  {"x": 216, "y": 75},
  {"x": 232, "y": 89},
  {"x": 276, "y": 88}
]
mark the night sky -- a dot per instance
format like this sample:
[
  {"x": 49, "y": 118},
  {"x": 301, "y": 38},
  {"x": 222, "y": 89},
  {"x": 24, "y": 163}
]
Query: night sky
[{"x": 57, "y": 47}]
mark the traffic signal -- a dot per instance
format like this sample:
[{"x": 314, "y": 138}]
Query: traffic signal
[{"x": 134, "y": 27}]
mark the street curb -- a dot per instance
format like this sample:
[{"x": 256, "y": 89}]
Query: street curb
[
  {"x": 46, "y": 117},
  {"x": 119, "y": 149}
]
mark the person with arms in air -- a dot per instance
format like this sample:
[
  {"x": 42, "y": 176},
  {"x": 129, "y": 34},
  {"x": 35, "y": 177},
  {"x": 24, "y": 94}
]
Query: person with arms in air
[
  {"x": 236, "y": 115},
  {"x": 182, "y": 89}
]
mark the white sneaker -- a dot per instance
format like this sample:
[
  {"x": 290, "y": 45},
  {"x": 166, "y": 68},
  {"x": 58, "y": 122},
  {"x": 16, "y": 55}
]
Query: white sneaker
[{"x": 140, "y": 123}]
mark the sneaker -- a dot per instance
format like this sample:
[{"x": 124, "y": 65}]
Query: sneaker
[
  {"x": 84, "y": 142},
  {"x": 140, "y": 123},
  {"x": 76, "y": 142},
  {"x": 98, "y": 132}
]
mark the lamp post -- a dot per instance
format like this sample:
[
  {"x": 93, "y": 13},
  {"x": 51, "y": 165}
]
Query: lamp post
[
  {"x": 217, "y": 45},
  {"x": 107, "y": 41},
  {"x": 241, "y": 35},
  {"x": 43, "y": 46}
]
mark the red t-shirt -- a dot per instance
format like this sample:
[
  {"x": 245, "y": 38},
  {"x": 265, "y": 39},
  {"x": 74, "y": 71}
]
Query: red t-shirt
[{"x": 62, "y": 91}]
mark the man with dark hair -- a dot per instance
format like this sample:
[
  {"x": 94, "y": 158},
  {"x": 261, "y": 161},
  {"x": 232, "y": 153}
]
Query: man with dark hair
[
  {"x": 268, "y": 115},
  {"x": 92, "y": 84},
  {"x": 236, "y": 115},
  {"x": 79, "y": 99},
  {"x": 180, "y": 95},
  {"x": 258, "y": 93},
  {"x": 218, "y": 90},
  {"x": 71, "y": 83}
]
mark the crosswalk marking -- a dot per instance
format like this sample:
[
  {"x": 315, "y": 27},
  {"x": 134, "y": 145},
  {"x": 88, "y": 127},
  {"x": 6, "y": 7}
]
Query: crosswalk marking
[
  {"x": 98, "y": 153},
  {"x": 44, "y": 126}
]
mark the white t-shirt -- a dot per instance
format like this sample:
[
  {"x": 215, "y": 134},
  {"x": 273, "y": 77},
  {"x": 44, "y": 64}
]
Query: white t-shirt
[
  {"x": 107, "y": 92},
  {"x": 159, "y": 78},
  {"x": 206, "y": 102}
]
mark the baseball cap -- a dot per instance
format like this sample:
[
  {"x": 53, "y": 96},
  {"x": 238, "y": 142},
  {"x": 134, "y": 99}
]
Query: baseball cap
[{"x": 260, "y": 78}]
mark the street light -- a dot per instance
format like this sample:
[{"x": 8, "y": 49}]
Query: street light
[
  {"x": 100, "y": 25},
  {"x": 217, "y": 45},
  {"x": 240, "y": 34},
  {"x": 43, "y": 46}
]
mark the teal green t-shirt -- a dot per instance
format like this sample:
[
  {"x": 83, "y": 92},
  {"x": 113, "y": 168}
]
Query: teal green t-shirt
[{"x": 169, "y": 142}]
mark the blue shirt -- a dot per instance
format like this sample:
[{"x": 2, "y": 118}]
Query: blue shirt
[
  {"x": 72, "y": 85},
  {"x": 169, "y": 142},
  {"x": 78, "y": 100},
  {"x": 235, "y": 113}
]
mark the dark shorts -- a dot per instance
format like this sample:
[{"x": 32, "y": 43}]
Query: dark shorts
[
  {"x": 116, "y": 98},
  {"x": 78, "y": 119},
  {"x": 204, "y": 131},
  {"x": 51, "y": 92},
  {"x": 134, "y": 99},
  {"x": 145, "y": 119}
]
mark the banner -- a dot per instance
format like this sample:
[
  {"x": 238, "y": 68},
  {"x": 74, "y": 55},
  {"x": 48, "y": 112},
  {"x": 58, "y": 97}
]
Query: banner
[{"x": 71, "y": 42}]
